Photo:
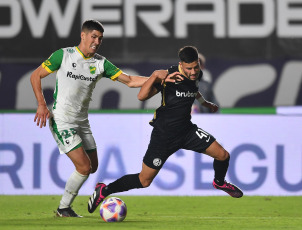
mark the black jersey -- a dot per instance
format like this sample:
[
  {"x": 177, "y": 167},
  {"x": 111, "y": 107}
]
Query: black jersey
[{"x": 174, "y": 114}]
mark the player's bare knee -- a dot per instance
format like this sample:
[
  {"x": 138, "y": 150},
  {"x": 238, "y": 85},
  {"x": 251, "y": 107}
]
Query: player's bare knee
[
  {"x": 84, "y": 170},
  {"x": 223, "y": 155},
  {"x": 146, "y": 183}
]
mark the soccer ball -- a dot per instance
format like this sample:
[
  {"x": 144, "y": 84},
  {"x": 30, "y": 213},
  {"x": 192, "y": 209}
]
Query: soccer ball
[{"x": 113, "y": 209}]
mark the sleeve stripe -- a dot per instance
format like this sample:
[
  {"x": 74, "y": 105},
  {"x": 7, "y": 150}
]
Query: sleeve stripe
[
  {"x": 46, "y": 68},
  {"x": 115, "y": 76}
]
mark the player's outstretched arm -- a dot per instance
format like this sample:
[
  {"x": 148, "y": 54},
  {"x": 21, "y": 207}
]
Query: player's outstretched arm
[
  {"x": 213, "y": 107},
  {"x": 148, "y": 90},
  {"x": 42, "y": 113},
  {"x": 132, "y": 81},
  {"x": 138, "y": 81}
]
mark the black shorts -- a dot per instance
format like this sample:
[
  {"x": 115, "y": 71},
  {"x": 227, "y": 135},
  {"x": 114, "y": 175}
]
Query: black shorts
[{"x": 162, "y": 144}]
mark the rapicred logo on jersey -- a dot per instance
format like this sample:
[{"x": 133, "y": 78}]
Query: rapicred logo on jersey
[{"x": 79, "y": 77}]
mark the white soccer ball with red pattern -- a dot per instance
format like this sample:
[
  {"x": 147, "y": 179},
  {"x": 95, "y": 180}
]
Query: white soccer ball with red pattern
[{"x": 113, "y": 209}]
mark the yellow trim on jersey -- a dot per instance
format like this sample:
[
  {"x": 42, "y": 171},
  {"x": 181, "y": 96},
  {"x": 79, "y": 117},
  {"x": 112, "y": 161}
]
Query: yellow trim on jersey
[
  {"x": 115, "y": 76},
  {"x": 82, "y": 54},
  {"x": 46, "y": 68},
  {"x": 181, "y": 70},
  {"x": 164, "y": 92}
]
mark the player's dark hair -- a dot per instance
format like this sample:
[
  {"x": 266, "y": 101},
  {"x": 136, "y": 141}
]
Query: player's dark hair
[
  {"x": 188, "y": 54},
  {"x": 91, "y": 24}
]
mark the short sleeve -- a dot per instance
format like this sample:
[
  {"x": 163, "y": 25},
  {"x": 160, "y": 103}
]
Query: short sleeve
[
  {"x": 158, "y": 86},
  {"x": 53, "y": 63},
  {"x": 172, "y": 69},
  {"x": 111, "y": 71}
]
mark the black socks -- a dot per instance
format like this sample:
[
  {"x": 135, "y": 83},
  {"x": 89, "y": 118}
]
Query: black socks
[
  {"x": 122, "y": 184},
  {"x": 220, "y": 168},
  {"x": 131, "y": 181}
]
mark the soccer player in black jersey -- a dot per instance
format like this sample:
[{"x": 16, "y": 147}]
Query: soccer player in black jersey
[{"x": 173, "y": 130}]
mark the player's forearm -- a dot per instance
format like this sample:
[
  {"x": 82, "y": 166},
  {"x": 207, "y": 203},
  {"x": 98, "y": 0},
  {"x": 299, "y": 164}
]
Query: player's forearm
[
  {"x": 147, "y": 89},
  {"x": 136, "y": 81},
  {"x": 199, "y": 97},
  {"x": 213, "y": 107},
  {"x": 35, "y": 80}
]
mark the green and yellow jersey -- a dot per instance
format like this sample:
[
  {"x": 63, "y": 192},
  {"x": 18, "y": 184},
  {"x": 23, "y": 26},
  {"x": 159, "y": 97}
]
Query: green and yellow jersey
[{"x": 76, "y": 78}]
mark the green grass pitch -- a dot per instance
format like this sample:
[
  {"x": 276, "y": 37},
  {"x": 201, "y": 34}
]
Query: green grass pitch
[{"x": 158, "y": 212}]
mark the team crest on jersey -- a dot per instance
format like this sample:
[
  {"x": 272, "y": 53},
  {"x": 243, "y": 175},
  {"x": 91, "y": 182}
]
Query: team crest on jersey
[
  {"x": 157, "y": 162},
  {"x": 92, "y": 69},
  {"x": 70, "y": 50}
]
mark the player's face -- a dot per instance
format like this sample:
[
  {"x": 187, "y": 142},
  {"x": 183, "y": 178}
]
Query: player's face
[
  {"x": 91, "y": 41},
  {"x": 191, "y": 70}
]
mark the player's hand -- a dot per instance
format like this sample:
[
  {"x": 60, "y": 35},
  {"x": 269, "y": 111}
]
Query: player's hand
[
  {"x": 213, "y": 107},
  {"x": 174, "y": 77},
  {"x": 42, "y": 115}
]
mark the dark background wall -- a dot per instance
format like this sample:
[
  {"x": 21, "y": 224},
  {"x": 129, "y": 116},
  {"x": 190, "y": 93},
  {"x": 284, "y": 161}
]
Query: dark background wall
[{"x": 253, "y": 48}]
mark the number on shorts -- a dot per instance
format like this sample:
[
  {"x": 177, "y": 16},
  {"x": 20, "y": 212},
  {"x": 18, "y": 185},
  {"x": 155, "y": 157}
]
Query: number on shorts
[
  {"x": 67, "y": 133},
  {"x": 201, "y": 133}
]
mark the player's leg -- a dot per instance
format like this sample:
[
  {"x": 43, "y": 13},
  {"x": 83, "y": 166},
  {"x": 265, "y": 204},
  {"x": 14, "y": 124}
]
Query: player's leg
[
  {"x": 85, "y": 162},
  {"x": 90, "y": 146},
  {"x": 93, "y": 156},
  {"x": 201, "y": 141},
  {"x": 125, "y": 183},
  {"x": 220, "y": 165},
  {"x": 82, "y": 170},
  {"x": 70, "y": 143},
  {"x": 131, "y": 181},
  {"x": 152, "y": 163},
  {"x": 147, "y": 175},
  {"x": 81, "y": 161},
  {"x": 221, "y": 161}
]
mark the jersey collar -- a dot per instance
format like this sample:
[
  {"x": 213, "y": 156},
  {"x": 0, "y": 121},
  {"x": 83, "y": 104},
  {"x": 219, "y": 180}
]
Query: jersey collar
[
  {"x": 77, "y": 48},
  {"x": 181, "y": 71}
]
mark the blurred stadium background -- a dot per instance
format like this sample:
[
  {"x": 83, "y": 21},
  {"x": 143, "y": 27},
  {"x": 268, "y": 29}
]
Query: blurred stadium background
[{"x": 254, "y": 62}]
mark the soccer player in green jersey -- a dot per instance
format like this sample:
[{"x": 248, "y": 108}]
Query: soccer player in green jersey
[{"x": 78, "y": 69}]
